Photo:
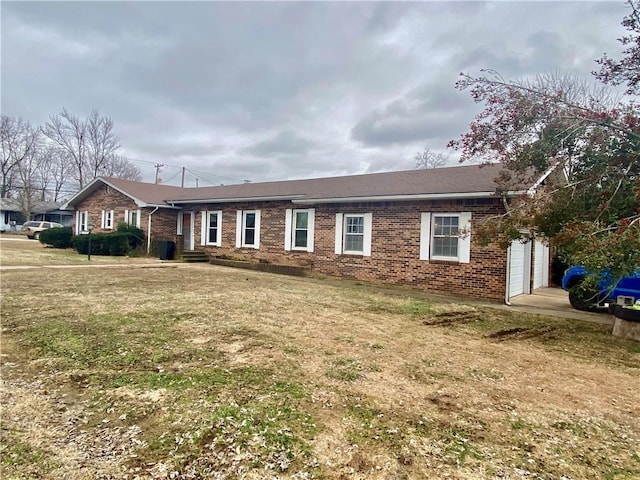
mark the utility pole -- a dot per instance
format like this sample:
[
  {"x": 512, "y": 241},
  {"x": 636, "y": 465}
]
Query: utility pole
[
  {"x": 158, "y": 167},
  {"x": 182, "y": 183},
  {"x": 196, "y": 183}
]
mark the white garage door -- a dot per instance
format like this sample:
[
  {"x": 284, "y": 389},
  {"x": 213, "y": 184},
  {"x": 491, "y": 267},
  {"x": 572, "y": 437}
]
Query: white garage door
[
  {"x": 540, "y": 265},
  {"x": 519, "y": 268}
]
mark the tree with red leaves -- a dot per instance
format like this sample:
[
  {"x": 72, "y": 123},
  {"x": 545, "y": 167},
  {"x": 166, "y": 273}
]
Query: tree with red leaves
[{"x": 583, "y": 139}]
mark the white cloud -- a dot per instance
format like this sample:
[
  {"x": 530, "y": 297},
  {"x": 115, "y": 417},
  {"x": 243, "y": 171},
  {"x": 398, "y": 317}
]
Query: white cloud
[{"x": 284, "y": 90}]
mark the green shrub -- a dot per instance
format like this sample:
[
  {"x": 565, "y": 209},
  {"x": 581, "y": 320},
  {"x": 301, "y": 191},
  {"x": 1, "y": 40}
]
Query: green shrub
[
  {"x": 57, "y": 237},
  {"x": 135, "y": 234},
  {"x": 114, "y": 244}
]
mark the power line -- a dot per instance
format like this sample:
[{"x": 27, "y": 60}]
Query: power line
[
  {"x": 174, "y": 176},
  {"x": 211, "y": 175}
]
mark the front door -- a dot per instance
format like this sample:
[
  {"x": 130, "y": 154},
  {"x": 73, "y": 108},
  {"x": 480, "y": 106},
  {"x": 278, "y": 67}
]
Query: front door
[{"x": 187, "y": 230}]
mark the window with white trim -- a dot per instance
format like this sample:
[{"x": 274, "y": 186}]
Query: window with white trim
[
  {"x": 132, "y": 217},
  {"x": 211, "y": 233},
  {"x": 353, "y": 233},
  {"x": 248, "y": 228},
  {"x": 107, "y": 219},
  {"x": 445, "y": 236},
  {"x": 82, "y": 222},
  {"x": 299, "y": 229}
]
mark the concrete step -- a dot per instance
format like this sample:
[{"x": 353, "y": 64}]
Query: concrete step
[{"x": 193, "y": 256}]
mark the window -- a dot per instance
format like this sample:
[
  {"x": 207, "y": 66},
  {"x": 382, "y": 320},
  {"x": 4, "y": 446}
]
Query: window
[
  {"x": 107, "y": 219},
  {"x": 299, "y": 229},
  {"x": 211, "y": 233},
  {"x": 82, "y": 222},
  {"x": 353, "y": 234},
  {"x": 446, "y": 236},
  {"x": 248, "y": 228},
  {"x": 132, "y": 217}
]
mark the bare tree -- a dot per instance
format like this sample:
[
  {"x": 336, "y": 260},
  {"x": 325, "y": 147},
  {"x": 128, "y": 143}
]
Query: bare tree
[
  {"x": 60, "y": 169},
  {"x": 121, "y": 167},
  {"x": 69, "y": 133},
  {"x": 102, "y": 143},
  {"x": 90, "y": 145},
  {"x": 19, "y": 140},
  {"x": 430, "y": 159},
  {"x": 53, "y": 172},
  {"x": 29, "y": 189}
]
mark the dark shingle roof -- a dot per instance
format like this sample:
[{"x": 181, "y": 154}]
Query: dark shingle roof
[
  {"x": 462, "y": 181},
  {"x": 453, "y": 180}
]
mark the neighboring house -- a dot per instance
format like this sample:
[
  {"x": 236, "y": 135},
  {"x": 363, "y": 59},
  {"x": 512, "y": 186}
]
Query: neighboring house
[
  {"x": 411, "y": 228},
  {"x": 12, "y": 218},
  {"x": 51, "y": 212}
]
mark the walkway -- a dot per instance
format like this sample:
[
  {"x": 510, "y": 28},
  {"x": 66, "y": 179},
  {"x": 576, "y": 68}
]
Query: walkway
[{"x": 555, "y": 302}]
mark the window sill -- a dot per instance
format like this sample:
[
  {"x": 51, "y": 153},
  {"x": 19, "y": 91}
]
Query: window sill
[{"x": 444, "y": 262}]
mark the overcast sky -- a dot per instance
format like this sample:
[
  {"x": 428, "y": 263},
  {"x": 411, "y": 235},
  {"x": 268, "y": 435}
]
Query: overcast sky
[{"x": 274, "y": 91}]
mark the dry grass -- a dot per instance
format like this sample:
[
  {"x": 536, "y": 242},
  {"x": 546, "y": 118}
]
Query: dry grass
[
  {"x": 17, "y": 250},
  {"x": 207, "y": 372}
]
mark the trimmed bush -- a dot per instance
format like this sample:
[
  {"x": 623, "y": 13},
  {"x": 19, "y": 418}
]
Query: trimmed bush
[
  {"x": 135, "y": 234},
  {"x": 115, "y": 244},
  {"x": 125, "y": 240},
  {"x": 57, "y": 237}
]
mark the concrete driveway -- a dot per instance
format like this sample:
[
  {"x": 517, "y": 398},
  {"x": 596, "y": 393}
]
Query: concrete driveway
[{"x": 555, "y": 302}]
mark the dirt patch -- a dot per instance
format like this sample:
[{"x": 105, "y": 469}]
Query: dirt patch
[
  {"x": 444, "y": 319},
  {"x": 524, "y": 333}
]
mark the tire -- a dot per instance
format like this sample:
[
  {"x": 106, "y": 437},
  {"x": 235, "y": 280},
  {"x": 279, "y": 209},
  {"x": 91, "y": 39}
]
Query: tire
[
  {"x": 628, "y": 314},
  {"x": 584, "y": 298}
]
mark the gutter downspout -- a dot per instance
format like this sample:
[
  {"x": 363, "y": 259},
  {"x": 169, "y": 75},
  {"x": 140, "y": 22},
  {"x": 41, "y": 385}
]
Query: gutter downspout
[
  {"x": 508, "y": 272},
  {"x": 508, "y": 276},
  {"x": 149, "y": 230}
]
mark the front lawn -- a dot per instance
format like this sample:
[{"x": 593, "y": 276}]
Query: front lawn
[{"x": 209, "y": 372}]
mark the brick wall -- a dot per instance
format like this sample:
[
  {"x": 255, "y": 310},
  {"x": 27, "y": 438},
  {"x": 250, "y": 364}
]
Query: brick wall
[
  {"x": 163, "y": 221},
  {"x": 395, "y": 245}
]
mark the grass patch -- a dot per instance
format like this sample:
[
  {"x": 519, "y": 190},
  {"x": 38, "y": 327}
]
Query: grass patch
[
  {"x": 416, "y": 308},
  {"x": 15, "y": 452},
  {"x": 345, "y": 369},
  {"x": 208, "y": 371}
]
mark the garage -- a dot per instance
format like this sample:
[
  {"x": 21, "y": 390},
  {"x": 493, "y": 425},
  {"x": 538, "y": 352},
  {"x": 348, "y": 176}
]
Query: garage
[
  {"x": 518, "y": 280},
  {"x": 527, "y": 260},
  {"x": 540, "y": 265}
]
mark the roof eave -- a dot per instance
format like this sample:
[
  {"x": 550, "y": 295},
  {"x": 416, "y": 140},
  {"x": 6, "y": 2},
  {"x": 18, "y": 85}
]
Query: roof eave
[
  {"x": 400, "y": 198},
  {"x": 271, "y": 198},
  {"x": 82, "y": 193}
]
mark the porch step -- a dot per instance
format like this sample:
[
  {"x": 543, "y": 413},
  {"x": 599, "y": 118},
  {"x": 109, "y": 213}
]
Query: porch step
[{"x": 193, "y": 256}]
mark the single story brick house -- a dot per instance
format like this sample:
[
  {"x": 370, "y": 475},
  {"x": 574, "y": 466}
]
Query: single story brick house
[{"x": 411, "y": 228}]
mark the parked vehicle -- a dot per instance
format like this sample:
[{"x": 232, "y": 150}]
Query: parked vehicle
[
  {"x": 628, "y": 313},
  {"x": 33, "y": 228},
  {"x": 583, "y": 295}
]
